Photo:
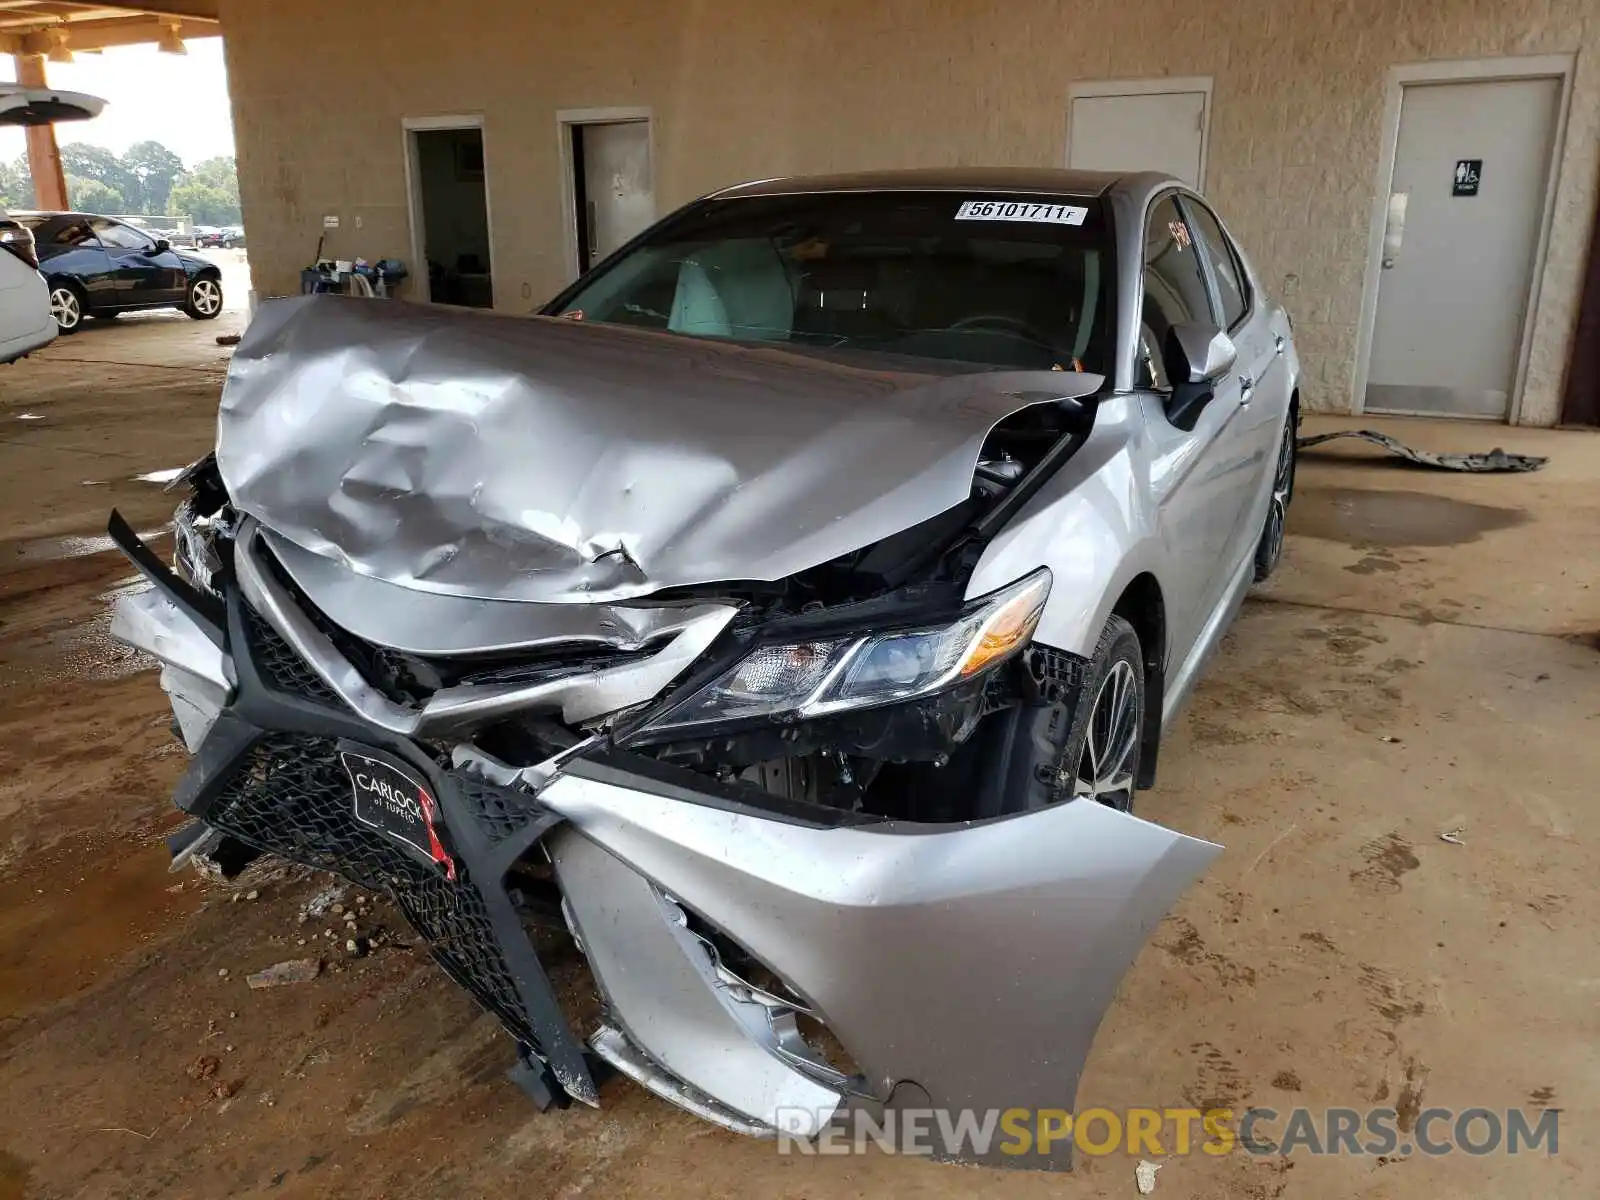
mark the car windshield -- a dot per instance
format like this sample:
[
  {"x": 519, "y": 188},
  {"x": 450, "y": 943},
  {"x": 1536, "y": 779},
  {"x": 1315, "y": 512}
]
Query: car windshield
[{"x": 1004, "y": 280}]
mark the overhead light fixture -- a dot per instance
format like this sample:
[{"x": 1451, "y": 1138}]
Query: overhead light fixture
[
  {"x": 58, "y": 52},
  {"x": 171, "y": 40}
]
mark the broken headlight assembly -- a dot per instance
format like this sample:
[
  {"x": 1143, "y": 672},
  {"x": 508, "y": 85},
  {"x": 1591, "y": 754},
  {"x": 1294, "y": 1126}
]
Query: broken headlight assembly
[
  {"x": 195, "y": 558},
  {"x": 806, "y": 679},
  {"x": 200, "y": 520}
]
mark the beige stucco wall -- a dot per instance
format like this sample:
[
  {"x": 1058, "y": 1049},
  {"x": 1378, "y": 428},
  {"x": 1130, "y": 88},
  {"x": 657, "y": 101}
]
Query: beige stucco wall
[{"x": 750, "y": 88}]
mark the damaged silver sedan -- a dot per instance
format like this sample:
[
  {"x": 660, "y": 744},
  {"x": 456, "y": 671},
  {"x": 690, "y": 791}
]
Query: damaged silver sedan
[{"x": 793, "y": 608}]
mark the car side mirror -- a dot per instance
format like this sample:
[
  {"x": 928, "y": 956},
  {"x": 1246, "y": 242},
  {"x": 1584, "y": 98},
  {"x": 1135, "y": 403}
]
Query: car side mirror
[
  {"x": 162, "y": 245},
  {"x": 1196, "y": 355}
]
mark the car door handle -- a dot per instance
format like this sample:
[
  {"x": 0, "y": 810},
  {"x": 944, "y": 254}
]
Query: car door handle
[
  {"x": 1247, "y": 388},
  {"x": 1278, "y": 345}
]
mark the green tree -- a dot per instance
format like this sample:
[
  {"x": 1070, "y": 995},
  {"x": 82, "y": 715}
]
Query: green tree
[
  {"x": 203, "y": 204},
  {"x": 96, "y": 163},
  {"x": 155, "y": 168},
  {"x": 219, "y": 172},
  {"x": 16, "y": 184},
  {"x": 92, "y": 196},
  {"x": 208, "y": 194}
]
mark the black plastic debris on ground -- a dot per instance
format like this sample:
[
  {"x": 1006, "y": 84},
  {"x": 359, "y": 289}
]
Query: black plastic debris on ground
[{"x": 1495, "y": 460}]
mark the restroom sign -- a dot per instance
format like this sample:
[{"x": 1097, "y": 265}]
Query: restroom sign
[{"x": 1468, "y": 172}]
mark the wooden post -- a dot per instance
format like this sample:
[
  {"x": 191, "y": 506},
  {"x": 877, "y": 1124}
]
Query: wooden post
[{"x": 44, "y": 158}]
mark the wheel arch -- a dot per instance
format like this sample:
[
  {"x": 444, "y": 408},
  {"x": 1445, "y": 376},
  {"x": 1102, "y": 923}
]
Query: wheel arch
[
  {"x": 55, "y": 280},
  {"x": 1143, "y": 605}
]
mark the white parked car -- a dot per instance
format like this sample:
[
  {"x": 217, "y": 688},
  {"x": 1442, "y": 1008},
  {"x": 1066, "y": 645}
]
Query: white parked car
[{"x": 25, "y": 321}]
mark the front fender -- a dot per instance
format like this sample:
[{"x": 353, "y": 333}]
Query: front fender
[{"x": 1091, "y": 524}]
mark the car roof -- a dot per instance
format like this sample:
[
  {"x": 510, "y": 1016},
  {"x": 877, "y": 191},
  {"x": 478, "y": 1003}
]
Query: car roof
[{"x": 1031, "y": 180}]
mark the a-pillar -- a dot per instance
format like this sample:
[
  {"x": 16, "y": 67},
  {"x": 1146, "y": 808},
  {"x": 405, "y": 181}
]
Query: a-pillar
[{"x": 44, "y": 158}]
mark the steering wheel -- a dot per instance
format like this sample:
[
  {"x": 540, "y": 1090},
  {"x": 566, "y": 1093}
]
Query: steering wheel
[{"x": 999, "y": 323}]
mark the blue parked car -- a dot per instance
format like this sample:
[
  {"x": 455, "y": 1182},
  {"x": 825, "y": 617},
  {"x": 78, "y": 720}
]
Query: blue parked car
[{"x": 99, "y": 267}]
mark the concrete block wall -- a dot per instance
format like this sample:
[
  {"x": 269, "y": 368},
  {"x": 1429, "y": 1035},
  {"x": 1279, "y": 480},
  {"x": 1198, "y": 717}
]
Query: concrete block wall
[{"x": 749, "y": 88}]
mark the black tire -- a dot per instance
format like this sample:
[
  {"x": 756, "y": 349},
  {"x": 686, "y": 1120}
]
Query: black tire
[
  {"x": 1269, "y": 549},
  {"x": 203, "y": 300},
  {"x": 67, "y": 306},
  {"x": 1113, "y": 693},
  {"x": 1031, "y": 755}
]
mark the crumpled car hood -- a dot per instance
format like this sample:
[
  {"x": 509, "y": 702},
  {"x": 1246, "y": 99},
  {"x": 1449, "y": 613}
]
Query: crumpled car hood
[{"x": 546, "y": 460}]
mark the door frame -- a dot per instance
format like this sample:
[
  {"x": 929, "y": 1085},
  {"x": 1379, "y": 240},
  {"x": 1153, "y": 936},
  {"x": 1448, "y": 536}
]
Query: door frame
[
  {"x": 1468, "y": 70},
  {"x": 1159, "y": 86},
  {"x": 566, "y": 119},
  {"x": 409, "y": 128}
]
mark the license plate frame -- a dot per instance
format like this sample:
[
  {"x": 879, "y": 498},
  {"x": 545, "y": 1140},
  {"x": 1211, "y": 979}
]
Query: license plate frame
[{"x": 392, "y": 799}]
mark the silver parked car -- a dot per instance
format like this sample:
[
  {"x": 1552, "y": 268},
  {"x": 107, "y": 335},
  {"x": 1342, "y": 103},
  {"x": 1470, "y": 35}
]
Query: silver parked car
[{"x": 791, "y": 612}]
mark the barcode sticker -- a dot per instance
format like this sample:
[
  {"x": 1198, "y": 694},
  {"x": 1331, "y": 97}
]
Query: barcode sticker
[{"x": 1021, "y": 210}]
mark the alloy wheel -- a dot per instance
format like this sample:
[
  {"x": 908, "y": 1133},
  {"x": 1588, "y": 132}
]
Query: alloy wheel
[
  {"x": 65, "y": 308},
  {"x": 206, "y": 297},
  {"x": 1105, "y": 771},
  {"x": 1282, "y": 483}
]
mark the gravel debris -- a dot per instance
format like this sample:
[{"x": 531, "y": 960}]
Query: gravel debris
[
  {"x": 204, "y": 1067},
  {"x": 295, "y": 970}
]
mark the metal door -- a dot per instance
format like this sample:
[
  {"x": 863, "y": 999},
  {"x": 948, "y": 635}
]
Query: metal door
[
  {"x": 1201, "y": 475},
  {"x": 1163, "y": 131},
  {"x": 144, "y": 276},
  {"x": 68, "y": 247},
  {"x": 1465, "y": 209},
  {"x": 1260, "y": 333},
  {"x": 617, "y": 185}
]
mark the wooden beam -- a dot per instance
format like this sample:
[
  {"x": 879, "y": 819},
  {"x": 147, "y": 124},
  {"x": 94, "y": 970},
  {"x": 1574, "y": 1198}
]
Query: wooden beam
[
  {"x": 49, "y": 10},
  {"x": 206, "y": 10},
  {"x": 117, "y": 31},
  {"x": 44, "y": 158}
]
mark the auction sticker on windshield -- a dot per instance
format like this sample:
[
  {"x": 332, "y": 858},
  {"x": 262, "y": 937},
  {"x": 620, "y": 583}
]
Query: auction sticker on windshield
[{"x": 1020, "y": 210}]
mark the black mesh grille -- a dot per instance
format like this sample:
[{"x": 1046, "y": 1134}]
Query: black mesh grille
[
  {"x": 498, "y": 812},
  {"x": 280, "y": 667},
  {"x": 291, "y": 797}
]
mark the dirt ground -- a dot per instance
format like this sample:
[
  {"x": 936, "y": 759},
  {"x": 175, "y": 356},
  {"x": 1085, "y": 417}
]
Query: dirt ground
[{"x": 1426, "y": 662}]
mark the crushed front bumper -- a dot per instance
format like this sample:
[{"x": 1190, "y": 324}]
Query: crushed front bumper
[{"x": 959, "y": 966}]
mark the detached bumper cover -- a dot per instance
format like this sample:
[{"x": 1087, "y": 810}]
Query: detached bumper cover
[
  {"x": 965, "y": 966},
  {"x": 974, "y": 961}
]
